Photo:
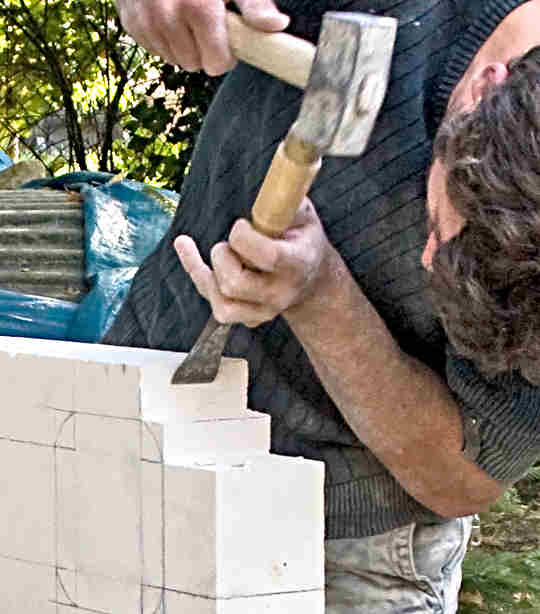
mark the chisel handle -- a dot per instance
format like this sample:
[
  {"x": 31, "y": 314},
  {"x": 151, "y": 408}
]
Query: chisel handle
[
  {"x": 288, "y": 180},
  {"x": 284, "y": 56}
]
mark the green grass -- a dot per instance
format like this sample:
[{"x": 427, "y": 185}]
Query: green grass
[
  {"x": 502, "y": 575},
  {"x": 504, "y": 582}
]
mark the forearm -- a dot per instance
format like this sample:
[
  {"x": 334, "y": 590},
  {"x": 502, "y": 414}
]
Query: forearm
[{"x": 398, "y": 407}]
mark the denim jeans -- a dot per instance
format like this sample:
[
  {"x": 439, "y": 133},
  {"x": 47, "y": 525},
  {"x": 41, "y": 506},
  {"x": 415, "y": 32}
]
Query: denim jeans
[{"x": 415, "y": 569}]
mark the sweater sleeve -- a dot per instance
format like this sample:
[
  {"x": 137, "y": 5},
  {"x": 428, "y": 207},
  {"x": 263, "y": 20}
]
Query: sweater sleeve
[{"x": 501, "y": 417}]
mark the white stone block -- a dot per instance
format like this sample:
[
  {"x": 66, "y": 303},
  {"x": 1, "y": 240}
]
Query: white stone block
[
  {"x": 211, "y": 439},
  {"x": 106, "y": 389},
  {"x": 27, "y": 502},
  {"x": 153, "y": 524},
  {"x": 255, "y": 529},
  {"x": 225, "y": 397},
  {"x": 92, "y": 499},
  {"x": 152, "y": 442},
  {"x": 66, "y": 587},
  {"x": 27, "y": 588},
  {"x": 67, "y": 504},
  {"x": 153, "y": 600},
  {"x": 66, "y": 426},
  {"x": 32, "y": 389},
  {"x": 108, "y": 498},
  {"x": 308, "y": 602},
  {"x": 79, "y": 594},
  {"x": 118, "y": 381},
  {"x": 51, "y": 375},
  {"x": 107, "y": 595}
]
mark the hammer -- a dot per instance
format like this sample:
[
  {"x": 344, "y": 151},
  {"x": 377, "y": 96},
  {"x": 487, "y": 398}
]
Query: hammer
[{"x": 345, "y": 79}]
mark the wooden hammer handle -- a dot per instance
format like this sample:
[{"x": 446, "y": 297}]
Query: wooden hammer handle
[
  {"x": 295, "y": 164},
  {"x": 284, "y": 56},
  {"x": 287, "y": 181}
]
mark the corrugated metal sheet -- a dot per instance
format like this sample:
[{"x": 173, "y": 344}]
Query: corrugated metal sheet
[{"x": 41, "y": 243}]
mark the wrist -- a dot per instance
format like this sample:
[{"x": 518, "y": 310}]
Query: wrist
[{"x": 324, "y": 291}]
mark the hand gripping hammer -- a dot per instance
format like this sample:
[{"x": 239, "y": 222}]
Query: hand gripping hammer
[{"x": 345, "y": 79}]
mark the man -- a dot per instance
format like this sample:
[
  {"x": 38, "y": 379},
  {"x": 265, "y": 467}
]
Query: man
[{"x": 417, "y": 433}]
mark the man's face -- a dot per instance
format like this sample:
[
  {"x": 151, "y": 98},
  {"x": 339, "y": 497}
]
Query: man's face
[{"x": 444, "y": 222}]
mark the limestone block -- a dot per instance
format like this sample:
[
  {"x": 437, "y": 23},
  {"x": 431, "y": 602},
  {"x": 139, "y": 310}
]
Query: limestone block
[
  {"x": 153, "y": 523},
  {"x": 27, "y": 502},
  {"x": 41, "y": 375},
  {"x": 79, "y": 593},
  {"x": 108, "y": 596},
  {"x": 27, "y": 588},
  {"x": 106, "y": 389},
  {"x": 225, "y": 397},
  {"x": 99, "y": 517},
  {"x": 152, "y": 442},
  {"x": 211, "y": 439},
  {"x": 32, "y": 390},
  {"x": 307, "y": 602},
  {"x": 101, "y": 484},
  {"x": 183, "y": 442},
  {"x": 120, "y": 382},
  {"x": 67, "y": 503},
  {"x": 66, "y": 587},
  {"x": 255, "y": 528}
]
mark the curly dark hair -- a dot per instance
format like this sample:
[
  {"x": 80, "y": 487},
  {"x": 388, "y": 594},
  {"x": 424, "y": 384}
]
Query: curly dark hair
[{"x": 486, "y": 280}]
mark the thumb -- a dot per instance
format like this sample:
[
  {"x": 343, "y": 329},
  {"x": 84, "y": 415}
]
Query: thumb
[{"x": 263, "y": 15}]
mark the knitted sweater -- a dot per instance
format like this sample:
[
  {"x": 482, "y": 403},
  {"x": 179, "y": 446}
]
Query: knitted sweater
[{"x": 373, "y": 210}]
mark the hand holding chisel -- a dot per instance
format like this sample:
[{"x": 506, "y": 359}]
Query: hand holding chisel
[{"x": 345, "y": 80}]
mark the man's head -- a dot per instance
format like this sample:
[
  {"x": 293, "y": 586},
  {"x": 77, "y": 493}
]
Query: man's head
[{"x": 484, "y": 201}]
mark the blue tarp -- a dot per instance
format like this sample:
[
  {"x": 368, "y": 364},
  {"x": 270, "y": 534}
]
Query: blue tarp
[{"x": 124, "y": 221}]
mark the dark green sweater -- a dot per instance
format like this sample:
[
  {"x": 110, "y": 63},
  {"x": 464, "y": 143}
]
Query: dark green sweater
[{"x": 373, "y": 210}]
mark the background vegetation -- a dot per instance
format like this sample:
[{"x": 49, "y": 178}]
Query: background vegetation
[{"x": 77, "y": 93}]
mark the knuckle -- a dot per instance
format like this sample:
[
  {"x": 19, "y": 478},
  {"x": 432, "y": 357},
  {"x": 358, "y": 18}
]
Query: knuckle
[
  {"x": 215, "y": 69},
  {"x": 254, "y": 323},
  {"x": 278, "y": 303},
  {"x": 274, "y": 259},
  {"x": 187, "y": 65},
  {"x": 222, "y": 313},
  {"x": 229, "y": 287},
  {"x": 190, "y": 8},
  {"x": 198, "y": 14},
  {"x": 216, "y": 252}
]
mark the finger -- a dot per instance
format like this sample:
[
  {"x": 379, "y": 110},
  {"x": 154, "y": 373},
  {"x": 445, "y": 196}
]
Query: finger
[
  {"x": 185, "y": 51},
  {"x": 254, "y": 247},
  {"x": 235, "y": 281},
  {"x": 131, "y": 23},
  {"x": 242, "y": 312},
  {"x": 209, "y": 32},
  {"x": 177, "y": 45},
  {"x": 306, "y": 214},
  {"x": 191, "y": 260},
  {"x": 193, "y": 36},
  {"x": 263, "y": 15}
]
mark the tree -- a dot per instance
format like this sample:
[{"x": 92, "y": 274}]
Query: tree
[
  {"x": 173, "y": 108},
  {"x": 78, "y": 93}
]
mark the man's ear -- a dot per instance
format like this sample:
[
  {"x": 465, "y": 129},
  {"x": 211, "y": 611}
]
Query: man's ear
[{"x": 491, "y": 75}]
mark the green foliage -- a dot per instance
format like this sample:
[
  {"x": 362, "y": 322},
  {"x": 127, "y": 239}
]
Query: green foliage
[
  {"x": 502, "y": 574},
  {"x": 78, "y": 93},
  {"x": 534, "y": 473},
  {"x": 508, "y": 582},
  {"x": 507, "y": 504},
  {"x": 173, "y": 108}
]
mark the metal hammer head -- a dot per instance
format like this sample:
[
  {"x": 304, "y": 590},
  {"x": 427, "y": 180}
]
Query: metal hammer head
[{"x": 347, "y": 84}]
